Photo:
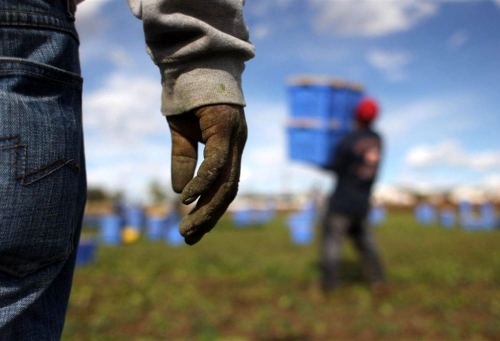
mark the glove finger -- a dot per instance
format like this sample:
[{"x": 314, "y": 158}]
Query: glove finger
[
  {"x": 184, "y": 159},
  {"x": 211, "y": 206},
  {"x": 216, "y": 157},
  {"x": 214, "y": 203}
]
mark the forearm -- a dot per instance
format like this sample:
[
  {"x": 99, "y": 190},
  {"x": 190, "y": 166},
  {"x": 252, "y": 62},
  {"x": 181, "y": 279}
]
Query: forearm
[{"x": 200, "y": 47}]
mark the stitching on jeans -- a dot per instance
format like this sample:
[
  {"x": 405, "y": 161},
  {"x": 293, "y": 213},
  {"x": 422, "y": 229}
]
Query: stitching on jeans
[
  {"x": 59, "y": 19},
  {"x": 21, "y": 155},
  {"x": 38, "y": 75},
  {"x": 56, "y": 22},
  {"x": 74, "y": 78},
  {"x": 54, "y": 27}
]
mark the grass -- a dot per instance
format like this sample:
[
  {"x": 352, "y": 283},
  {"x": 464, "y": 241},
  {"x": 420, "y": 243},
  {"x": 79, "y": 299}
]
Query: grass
[{"x": 246, "y": 284}]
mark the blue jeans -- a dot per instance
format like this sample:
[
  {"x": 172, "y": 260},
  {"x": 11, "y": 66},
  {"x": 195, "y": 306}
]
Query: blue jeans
[
  {"x": 42, "y": 166},
  {"x": 335, "y": 227}
]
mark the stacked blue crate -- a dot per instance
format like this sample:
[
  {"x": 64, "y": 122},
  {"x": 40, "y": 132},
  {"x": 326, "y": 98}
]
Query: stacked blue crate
[{"x": 321, "y": 113}]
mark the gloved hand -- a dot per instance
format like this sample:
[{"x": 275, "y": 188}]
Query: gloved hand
[{"x": 223, "y": 130}]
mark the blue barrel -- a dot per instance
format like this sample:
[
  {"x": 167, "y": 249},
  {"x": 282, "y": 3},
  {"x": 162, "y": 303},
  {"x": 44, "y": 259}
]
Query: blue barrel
[
  {"x": 488, "y": 216},
  {"x": 172, "y": 235},
  {"x": 301, "y": 225},
  {"x": 470, "y": 222},
  {"x": 447, "y": 218},
  {"x": 301, "y": 230},
  {"x": 155, "y": 227},
  {"x": 111, "y": 229},
  {"x": 377, "y": 215},
  {"x": 86, "y": 253},
  {"x": 266, "y": 215},
  {"x": 134, "y": 217},
  {"x": 425, "y": 214},
  {"x": 242, "y": 217},
  {"x": 465, "y": 208}
]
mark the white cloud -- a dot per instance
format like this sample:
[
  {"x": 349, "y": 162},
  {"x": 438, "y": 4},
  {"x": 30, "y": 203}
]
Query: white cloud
[
  {"x": 132, "y": 171},
  {"x": 398, "y": 122},
  {"x": 92, "y": 26},
  {"x": 263, "y": 8},
  {"x": 125, "y": 107},
  {"x": 127, "y": 138},
  {"x": 458, "y": 39},
  {"x": 452, "y": 154},
  {"x": 491, "y": 182},
  {"x": 89, "y": 9},
  {"x": 119, "y": 57},
  {"x": 426, "y": 117},
  {"x": 370, "y": 18},
  {"x": 260, "y": 31},
  {"x": 89, "y": 21},
  {"x": 390, "y": 63},
  {"x": 269, "y": 17}
]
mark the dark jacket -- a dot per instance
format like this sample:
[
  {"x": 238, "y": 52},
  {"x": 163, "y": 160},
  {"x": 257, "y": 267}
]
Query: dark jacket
[{"x": 356, "y": 161}]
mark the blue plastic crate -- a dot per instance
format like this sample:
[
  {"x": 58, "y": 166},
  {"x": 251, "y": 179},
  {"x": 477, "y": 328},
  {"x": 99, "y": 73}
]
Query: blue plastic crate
[
  {"x": 326, "y": 104},
  {"x": 353, "y": 98},
  {"x": 310, "y": 101},
  {"x": 313, "y": 146},
  {"x": 321, "y": 113}
]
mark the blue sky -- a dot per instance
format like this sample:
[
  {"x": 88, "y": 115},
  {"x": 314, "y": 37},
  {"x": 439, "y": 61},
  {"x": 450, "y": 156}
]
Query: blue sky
[{"x": 434, "y": 67}]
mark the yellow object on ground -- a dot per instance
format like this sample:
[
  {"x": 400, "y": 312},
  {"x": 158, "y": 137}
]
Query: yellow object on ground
[{"x": 130, "y": 235}]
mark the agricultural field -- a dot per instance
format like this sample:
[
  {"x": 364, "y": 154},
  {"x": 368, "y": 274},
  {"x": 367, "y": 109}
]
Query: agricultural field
[{"x": 254, "y": 284}]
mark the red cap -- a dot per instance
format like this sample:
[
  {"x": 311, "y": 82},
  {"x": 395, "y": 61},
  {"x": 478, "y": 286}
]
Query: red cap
[{"x": 367, "y": 110}]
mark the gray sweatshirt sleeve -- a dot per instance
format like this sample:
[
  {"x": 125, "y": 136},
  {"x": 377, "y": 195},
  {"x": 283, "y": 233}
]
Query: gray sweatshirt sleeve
[{"x": 200, "y": 46}]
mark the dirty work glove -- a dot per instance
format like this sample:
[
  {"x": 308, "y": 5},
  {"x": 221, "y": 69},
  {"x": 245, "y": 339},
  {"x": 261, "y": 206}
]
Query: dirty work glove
[{"x": 223, "y": 130}]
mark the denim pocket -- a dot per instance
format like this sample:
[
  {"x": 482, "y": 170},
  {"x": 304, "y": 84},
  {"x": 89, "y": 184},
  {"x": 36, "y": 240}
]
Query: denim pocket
[{"x": 41, "y": 161}]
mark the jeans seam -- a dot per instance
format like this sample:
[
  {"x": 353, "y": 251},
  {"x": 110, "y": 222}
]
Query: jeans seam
[
  {"x": 36, "y": 75},
  {"x": 24, "y": 177},
  {"x": 34, "y": 19}
]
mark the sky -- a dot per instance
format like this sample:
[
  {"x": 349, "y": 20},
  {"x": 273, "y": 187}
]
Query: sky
[{"x": 433, "y": 66}]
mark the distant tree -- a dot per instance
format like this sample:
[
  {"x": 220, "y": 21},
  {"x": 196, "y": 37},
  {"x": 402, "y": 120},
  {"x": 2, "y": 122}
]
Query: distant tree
[
  {"x": 118, "y": 196},
  {"x": 97, "y": 194},
  {"x": 157, "y": 192}
]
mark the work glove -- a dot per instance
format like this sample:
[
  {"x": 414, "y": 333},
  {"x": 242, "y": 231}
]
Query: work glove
[{"x": 223, "y": 130}]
